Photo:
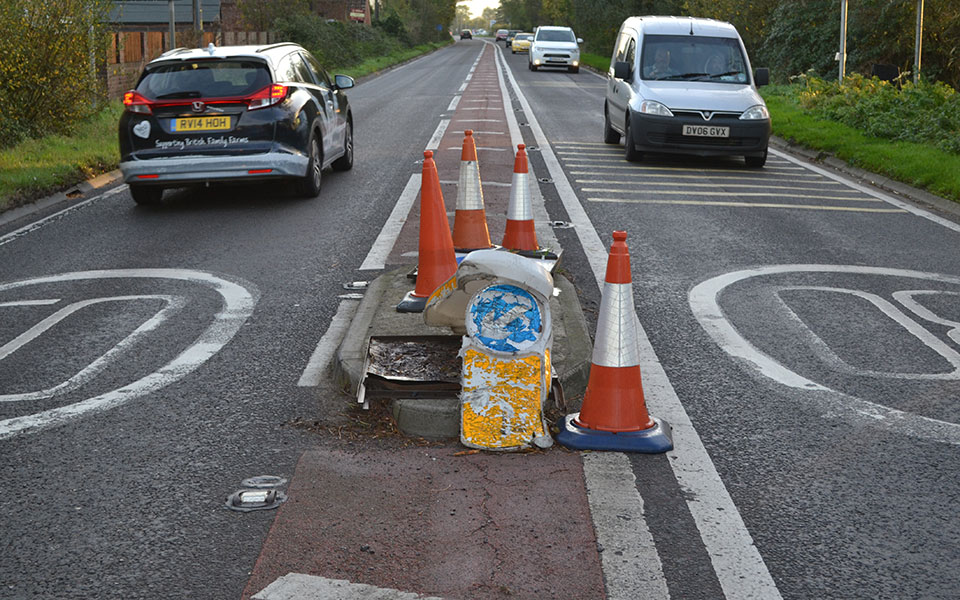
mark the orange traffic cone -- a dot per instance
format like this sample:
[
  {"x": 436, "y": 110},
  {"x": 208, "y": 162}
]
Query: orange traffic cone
[
  {"x": 470, "y": 222},
  {"x": 436, "y": 260},
  {"x": 614, "y": 414},
  {"x": 520, "y": 234}
]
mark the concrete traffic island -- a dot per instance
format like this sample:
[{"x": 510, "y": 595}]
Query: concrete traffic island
[{"x": 438, "y": 416}]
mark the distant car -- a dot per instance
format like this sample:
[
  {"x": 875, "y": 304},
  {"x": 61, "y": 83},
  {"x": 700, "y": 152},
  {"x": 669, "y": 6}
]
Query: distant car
[
  {"x": 510, "y": 35},
  {"x": 555, "y": 47},
  {"x": 466, "y": 35},
  {"x": 234, "y": 113},
  {"x": 501, "y": 35},
  {"x": 521, "y": 42}
]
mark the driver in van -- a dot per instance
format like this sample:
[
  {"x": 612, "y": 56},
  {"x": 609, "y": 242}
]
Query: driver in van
[{"x": 661, "y": 65}]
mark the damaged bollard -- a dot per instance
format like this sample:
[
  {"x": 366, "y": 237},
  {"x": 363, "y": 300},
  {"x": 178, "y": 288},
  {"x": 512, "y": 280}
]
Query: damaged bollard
[{"x": 499, "y": 302}]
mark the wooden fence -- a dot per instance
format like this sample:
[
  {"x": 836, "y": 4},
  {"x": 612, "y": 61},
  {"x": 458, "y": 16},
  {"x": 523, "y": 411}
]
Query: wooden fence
[{"x": 131, "y": 50}]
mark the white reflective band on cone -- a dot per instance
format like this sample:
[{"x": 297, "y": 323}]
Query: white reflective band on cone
[
  {"x": 616, "y": 339},
  {"x": 469, "y": 192},
  {"x": 520, "y": 208}
]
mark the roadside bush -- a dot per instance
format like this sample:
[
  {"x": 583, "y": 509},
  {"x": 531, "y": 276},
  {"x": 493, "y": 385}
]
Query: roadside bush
[
  {"x": 336, "y": 44},
  {"x": 49, "y": 52},
  {"x": 925, "y": 113}
]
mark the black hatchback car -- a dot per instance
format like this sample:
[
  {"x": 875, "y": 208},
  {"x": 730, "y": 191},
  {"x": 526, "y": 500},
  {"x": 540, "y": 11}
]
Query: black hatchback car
[{"x": 234, "y": 113}]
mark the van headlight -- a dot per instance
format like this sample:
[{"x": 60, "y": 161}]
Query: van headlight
[
  {"x": 755, "y": 113},
  {"x": 649, "y": 107}
]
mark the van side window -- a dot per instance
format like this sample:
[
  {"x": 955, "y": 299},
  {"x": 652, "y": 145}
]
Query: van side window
[
  {"x": 631, "y": 54},
  {"x": 621, "y": 49}
]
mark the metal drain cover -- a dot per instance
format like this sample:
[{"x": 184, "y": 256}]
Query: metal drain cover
[{"x": 250, "y": 500}]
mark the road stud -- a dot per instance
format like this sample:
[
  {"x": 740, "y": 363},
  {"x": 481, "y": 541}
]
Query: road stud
[
  {"x": 436, "y": 261},
  {"x": 614, "y": 413}
]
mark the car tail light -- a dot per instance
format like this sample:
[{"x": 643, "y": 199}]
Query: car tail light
[
  {"x": 135, "y": 102},
  {"x": 268, "y": 96}
]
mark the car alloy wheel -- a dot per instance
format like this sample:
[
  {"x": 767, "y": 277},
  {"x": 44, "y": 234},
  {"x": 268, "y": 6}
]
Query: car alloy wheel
[
  {"x": 310, "y": 184},
  {"x": 345, "y": 162}
]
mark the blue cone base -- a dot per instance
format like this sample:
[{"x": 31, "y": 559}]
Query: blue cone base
[
  {"x": 655, "y": 440},
  {"x": 412, "y": 304}
]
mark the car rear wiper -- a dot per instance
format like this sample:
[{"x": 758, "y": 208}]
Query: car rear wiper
[{"x": 174, "y": 95}]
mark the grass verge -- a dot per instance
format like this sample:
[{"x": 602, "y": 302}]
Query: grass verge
[
  {"x": 35, "y": 168},
  {"x": 379, "y": 63},
  {"x": 600, "y": 63},
  {"x": 919, "y": 165}
]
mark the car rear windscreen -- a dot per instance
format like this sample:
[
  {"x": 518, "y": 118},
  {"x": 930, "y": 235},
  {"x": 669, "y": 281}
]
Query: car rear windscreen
[{"x": 204, "y": 79}]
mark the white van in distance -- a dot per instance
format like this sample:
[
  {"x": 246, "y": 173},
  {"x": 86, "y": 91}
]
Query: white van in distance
[{"x": 684, "y": 85}]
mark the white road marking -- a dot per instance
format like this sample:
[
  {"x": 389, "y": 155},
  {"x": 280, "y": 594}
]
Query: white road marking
[
  {"x": 298, "y": 586},
  {"x": 890, "y": 310},
  {"x": 454, "y": 102},
  {"x": 714, "y": 185},
  {"x": 323, "y": 354},
  {"x": 876, "y": 194},
  {"x": 737, "y": 563},
  {"x": 706, "y": 308},
  {"x": 30, "y": 302},
  {"x": 717, "y": 178},
  {"x": 748, "y": 205},
  {"x": 775, "y": 194},
  {"x": 40, "y": 223},
  {"x": 380, "y": 250},
  {"x": 238, "y": 304},
  {"x": 171, "y": 305},
  {"x": 434, "y": 142},
  {"x": 631, "y": 565}
]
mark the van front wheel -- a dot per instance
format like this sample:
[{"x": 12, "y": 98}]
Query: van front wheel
[
  {"x": 610, "y": 136},
  {"x": 630, "y": 151},
  {"x": 756, "y": 161}
]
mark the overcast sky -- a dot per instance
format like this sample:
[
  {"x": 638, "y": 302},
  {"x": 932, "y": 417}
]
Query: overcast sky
[{"x": 476, "y": 6}]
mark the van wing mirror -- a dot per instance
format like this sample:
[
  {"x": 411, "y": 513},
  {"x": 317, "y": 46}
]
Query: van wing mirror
[
  {"x": 621, "y": 70},
  {"x": 579, "y": 40},
  {"x": 761, "y": 76}
]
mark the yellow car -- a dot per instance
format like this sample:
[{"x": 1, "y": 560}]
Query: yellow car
[{"x": 521, "y": 42}]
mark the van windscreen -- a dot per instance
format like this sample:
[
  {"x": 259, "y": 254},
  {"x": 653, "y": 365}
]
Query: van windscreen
[{"x": 693, "y": 58}]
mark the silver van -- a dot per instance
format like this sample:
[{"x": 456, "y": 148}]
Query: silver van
[{"x": 684, "y": 85}]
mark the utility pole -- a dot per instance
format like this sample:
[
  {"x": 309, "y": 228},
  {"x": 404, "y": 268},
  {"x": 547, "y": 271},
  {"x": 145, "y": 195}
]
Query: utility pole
[
  {"x": 173, "y": 26},
  {"x": 918, "y": 43},
  {"x": 842, "y": 55},
  {"x": 198, "y": 22}
]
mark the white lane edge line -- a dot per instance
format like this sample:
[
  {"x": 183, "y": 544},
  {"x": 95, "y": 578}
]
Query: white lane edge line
[
  {"x": 377, "y": 257},
  {"x": 736, "y": 561},
  {"x": 329, "y": 342},
  {"x": 618, "y": 585},
  {"x": 434, "y": 142},
  {"x": 615, "y": 508}
]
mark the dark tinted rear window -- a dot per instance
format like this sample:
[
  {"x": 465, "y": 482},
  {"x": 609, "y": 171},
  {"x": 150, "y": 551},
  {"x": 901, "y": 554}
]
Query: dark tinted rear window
[{"x": 204, "y": 79}]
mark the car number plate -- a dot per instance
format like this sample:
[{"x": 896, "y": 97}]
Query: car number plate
[
  {"x": 706, "y": 131},
  {"x": 191, "y": 124}
]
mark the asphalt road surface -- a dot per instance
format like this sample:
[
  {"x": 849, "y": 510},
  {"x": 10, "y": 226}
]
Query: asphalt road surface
[{"x": 801, "y": 334}]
